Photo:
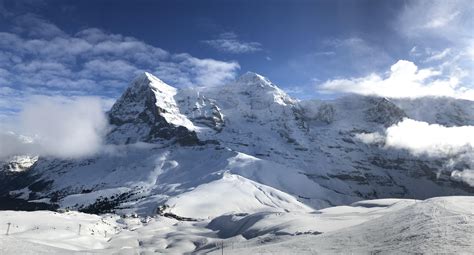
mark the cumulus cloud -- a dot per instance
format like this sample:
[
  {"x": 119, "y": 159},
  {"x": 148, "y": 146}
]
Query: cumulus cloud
[
  {"x": 229, "y": 42},
  {"x": 432, "y": 139},
  {"x": 58, "y": 128},
  {"x": 404, "y": 80}
]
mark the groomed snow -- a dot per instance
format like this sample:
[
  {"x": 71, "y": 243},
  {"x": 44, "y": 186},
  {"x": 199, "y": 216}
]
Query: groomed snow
[{"x": 437, "y": 225}]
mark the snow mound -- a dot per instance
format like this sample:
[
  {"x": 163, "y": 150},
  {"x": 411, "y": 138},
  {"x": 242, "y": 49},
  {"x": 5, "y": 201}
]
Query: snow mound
[{"x": 232, "y": 194}]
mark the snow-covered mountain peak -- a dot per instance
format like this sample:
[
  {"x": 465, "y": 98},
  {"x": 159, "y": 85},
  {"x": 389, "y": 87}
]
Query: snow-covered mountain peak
[
  {"x": 146, "y": 80},
  {"x": 145, "y": 110},
  {"x": 308, "y": 149},
  {"x": 254, "y": 79},
  {"x": 257, "y": 88}
]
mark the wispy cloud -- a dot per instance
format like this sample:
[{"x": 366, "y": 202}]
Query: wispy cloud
[
  {"x": 426, "y": 18},
  {"x": 442, "y": 31},
  {"x": 36, "y": 27},
  {"x": 356, "y": 52},
  {"x": 439, "y": 55},
  {"x": 229, "y": 42}
]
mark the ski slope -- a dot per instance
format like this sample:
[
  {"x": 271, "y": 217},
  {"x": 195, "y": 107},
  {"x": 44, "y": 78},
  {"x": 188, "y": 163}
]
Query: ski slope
[{"x": 436, "y": 225}]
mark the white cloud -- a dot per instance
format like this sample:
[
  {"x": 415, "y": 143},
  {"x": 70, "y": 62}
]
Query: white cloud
[
  {"x": 441, "y": 21},
  {"x": 421, "y": 138},
  {"x": 188, "y": 71},
  {"x": 110, "y": 68},
  {"x": 229, "y": 42},
  {"x": 440, "y": 18},
  {"x": 431, "y": 139},
  {"x": 57, "y": 127},
  {"x": 41, "y": 59},
  {"x": 443, "y": 28},
  {"x": 35, "y": 26},
  {"x": 453, "y": 144},
  {"x": 404, "y": 80},
  {"x": 466, "y": 176},
  {"x": 355, "y": 52},
  {"x": 439, "y": 55},
  {"x": 370, "y": 138},
  {"x": 209, "y": 72}
]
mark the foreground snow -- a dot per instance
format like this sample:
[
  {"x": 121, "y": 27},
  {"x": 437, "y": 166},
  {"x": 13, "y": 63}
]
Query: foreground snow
[{"x": 437, "y": 225}]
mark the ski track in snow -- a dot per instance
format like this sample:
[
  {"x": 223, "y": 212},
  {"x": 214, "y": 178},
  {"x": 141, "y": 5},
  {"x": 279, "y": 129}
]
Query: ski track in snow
[{"x": 437, "y": 225}]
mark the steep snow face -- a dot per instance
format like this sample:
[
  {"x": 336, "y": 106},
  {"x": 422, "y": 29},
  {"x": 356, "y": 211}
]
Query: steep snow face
[
  {"x": 18, "y": 163},
  {"x": 258, "y": 117},
  {"x": 148, "y": 111},
  {"x": 353, "y": 112},
  {"x": 439, "y": 110},
  {"x": 259, "y": 90},
  {"x": 201, "y": 110}
]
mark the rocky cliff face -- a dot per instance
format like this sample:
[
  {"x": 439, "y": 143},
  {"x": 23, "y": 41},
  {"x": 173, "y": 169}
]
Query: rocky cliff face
[{"x": 147, "y": 112}]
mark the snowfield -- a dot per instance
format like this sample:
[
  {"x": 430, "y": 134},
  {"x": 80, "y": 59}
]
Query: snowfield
[{"x": 436, "y": 225}]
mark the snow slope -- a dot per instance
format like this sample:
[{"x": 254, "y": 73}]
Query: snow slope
[
  {"x": 50, "y": 232},
  {"x": 437, "y": 225}
]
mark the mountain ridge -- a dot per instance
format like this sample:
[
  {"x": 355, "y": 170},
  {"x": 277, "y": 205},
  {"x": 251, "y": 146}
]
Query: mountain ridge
[{"x": 169, "y": 142}]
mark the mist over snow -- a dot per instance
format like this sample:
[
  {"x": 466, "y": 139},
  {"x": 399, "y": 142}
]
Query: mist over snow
[
  {"x": 466, "y": 176},
  {"x": 50, "y": 127}
]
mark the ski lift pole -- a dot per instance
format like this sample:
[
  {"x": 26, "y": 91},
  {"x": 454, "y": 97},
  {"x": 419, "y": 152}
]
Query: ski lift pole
[{"x": 8, "y": 228}]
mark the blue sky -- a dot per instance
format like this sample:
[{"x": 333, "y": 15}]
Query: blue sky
[{"x": 311, "y": 49}]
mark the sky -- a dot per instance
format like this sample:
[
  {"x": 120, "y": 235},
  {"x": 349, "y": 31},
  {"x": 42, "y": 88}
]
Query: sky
[{"x": 68, "y": 50}]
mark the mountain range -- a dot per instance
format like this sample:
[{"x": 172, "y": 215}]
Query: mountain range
[{"x": 245, "y": 147}]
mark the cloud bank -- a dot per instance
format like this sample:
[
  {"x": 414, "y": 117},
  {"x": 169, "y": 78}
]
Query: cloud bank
[
  {"x": 63, "y": 129},
  {"x": 421, "y": 138},
  {"x": 432, "y": 139},
  {"x": 404, "y": 80}
]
